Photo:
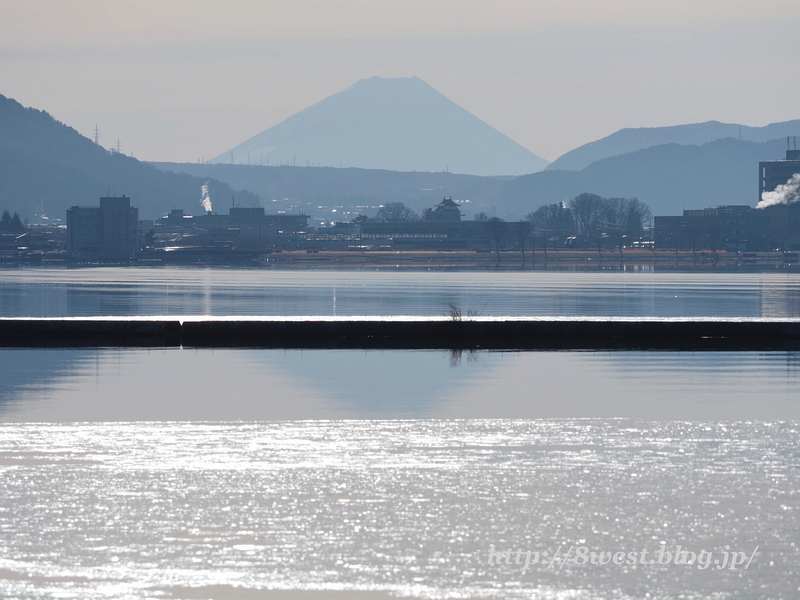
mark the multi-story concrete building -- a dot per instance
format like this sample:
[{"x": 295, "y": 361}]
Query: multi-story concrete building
[
  {"x": 723, "y": 227},
  {"x": 773, "y": 173},
  {"x": 242, "y": 227},
  {"x": 255, "y": 219},
  {"x": 731, "y": 228},
  {"x": 739, "y": 227},
  {"x": 108, "y": 233}
]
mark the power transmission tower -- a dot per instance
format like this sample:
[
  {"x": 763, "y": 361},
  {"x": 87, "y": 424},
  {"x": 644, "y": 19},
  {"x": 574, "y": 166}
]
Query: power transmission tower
[{"x": 96, "y": 135}]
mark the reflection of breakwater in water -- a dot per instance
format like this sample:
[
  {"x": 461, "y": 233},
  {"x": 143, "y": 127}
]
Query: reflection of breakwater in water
[{"x": 406, "y": 507}]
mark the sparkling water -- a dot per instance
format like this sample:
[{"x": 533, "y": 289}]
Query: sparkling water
[{"x": 188, "y": 473}]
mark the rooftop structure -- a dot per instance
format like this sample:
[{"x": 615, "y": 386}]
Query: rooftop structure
[{"x": 446, "y": 210}]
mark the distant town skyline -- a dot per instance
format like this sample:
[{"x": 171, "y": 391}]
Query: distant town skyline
[{"x": 178, "y": 80}]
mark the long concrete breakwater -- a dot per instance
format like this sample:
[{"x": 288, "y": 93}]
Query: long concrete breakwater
[{"x": 574, "y": 333}]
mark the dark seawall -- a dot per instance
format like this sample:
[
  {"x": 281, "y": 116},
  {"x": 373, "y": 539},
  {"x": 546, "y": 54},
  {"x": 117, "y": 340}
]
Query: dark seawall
[{"x": 399, "y": 333}]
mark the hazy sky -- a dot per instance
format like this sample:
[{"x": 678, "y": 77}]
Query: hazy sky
[{"x": 180, "y": 79}]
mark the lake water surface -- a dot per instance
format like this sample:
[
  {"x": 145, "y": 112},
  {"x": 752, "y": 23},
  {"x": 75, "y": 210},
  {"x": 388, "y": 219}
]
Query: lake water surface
[
  {"x": 183, "y": 473},
  {"x": 176, "y": 291},
  {"x": 144, "y": 510}
]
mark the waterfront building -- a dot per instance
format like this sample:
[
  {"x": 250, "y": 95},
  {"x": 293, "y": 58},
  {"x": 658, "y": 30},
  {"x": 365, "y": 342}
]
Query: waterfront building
[
  {"x": 107, "y": 233},
  {"x": 242, "y": 227},
  {"x": 773, "y": 173},
  {"x": 732, "y": 228}
]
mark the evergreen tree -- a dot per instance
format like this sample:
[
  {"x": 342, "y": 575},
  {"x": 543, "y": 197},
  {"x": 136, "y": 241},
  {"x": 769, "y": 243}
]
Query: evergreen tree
[
  {"x": 16, "y": 224},
  {"x": 9, "y": 224}
]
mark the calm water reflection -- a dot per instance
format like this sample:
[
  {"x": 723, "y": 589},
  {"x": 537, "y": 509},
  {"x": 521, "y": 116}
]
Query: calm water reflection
[
  {"x": 221, "y": 474},
  {"x": 176, "y": 291},
  {"x": 191, "y": 385}
]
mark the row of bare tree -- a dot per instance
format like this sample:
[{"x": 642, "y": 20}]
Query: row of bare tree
[{"x": 590, "y": 218}]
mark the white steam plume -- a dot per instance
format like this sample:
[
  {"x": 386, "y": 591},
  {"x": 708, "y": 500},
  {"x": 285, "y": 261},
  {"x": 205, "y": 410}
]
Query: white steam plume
[
  {"x": 786, "y": 193},
  {"x": 205, "y": 201}
]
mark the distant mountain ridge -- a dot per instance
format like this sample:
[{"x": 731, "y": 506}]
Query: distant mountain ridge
[
  {"x": 330, "y": 187},
  {"x": 46, "y": 167},
  {"x": 629, "y": 140},
  {"x": 398, "y": 124},
  {"x": 668, "y": 177}
]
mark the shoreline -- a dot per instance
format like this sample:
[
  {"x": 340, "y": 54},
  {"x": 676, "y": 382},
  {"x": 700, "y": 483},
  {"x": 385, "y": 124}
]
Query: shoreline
[
  {"x": 511, "y": 260},
  {"x": 459, "y": 260}
]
